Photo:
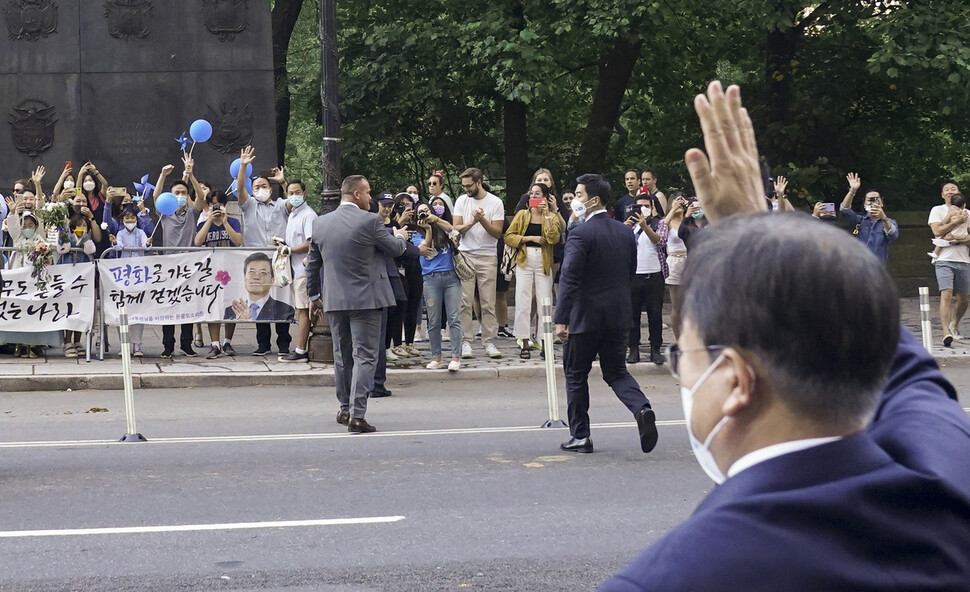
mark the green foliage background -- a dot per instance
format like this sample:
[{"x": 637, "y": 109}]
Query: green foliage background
[{"x": 880, "y": 87}]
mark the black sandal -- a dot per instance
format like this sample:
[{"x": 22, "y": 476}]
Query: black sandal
[{"x": 524, "y": 353}]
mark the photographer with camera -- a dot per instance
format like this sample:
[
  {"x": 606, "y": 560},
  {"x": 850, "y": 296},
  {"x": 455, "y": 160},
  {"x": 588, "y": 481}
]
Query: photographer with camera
[
  {"x": 647, "y": 287},
  {"x": 218, "y": 230},
  {"x": 875, "y": 229}
]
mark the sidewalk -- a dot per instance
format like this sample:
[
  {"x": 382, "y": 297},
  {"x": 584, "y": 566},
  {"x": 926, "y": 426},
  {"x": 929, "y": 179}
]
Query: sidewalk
[{"x": 58, "y": 373}]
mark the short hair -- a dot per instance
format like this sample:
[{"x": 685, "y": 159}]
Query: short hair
[
  {"x": 475, "y": 174},
  {"x": 129, "y": 210},
  {"x": 596, "y": 186},
  {"x": 634, "y": 171},
  {"x": 183, "y": 184},
  {"x": 217, "y": 196},
  {"x": 949, "y": 182},
  {"x": 76, "y": 220},
  {"x": 652, "y": 172},
  {"x": 873, "y": 190},
  {"x": 351, "y": 184},
  {"x": 296, "y": 182},
  {"x": 958, "y": 200},
  {"x": 258, "y": 256},
  {"x": 819, "y": 313}
]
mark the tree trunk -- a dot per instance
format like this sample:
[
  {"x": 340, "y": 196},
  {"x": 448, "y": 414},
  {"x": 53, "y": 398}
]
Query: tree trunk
[
  {"x": 779, "y": 53},
  {"x": 285, "y": 14},
  {"x": 517, "y": 173},
  {"x": 615, "y": 70}
]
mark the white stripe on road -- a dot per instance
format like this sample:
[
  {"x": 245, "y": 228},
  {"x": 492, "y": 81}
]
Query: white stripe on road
[
  {"x": 331, "y": 436},
  {"x": 10, "y": 534}
]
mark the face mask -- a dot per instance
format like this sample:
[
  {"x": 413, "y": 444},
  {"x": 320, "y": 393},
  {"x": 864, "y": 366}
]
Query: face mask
[
  {"x": 183, "y": 200},
  {"x": 438, "y": 210},
  {"x": 703, "y": 451},
  {"x": 88, "y": 185},
  {"x": 130, "y": 226},
  {"x": 28, "y": 232},
  {"x": 262, "y": 194},
  {"x": 79, "y": 232},
  {"x": 296, "y": 200},
  {"x": 698, "y": 215},
  {"x": 414, "y": 197},
  {"x": 68, "y": 185},
  {"x": 578, "y": 208}
]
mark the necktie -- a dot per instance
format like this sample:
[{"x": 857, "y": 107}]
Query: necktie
[{"x": 253, "y": 309}]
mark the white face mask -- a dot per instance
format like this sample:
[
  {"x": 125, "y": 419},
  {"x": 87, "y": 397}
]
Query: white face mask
[
  {"x": 703, "y": 451},
  {"x": 262, "y": 194},
  {"x": 68, "y": 184},
  {"x": 88, "y": 185},
  {"x": 578, "y": 208},
  {"x": 130, "y": 226}
]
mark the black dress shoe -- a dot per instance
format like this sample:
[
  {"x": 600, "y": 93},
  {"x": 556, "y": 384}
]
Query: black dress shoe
[
  {"x": 343, "y": 417},
  {"x": 360, "y": 426},
  {"x": 647, "y": 426},
  {"x": 633, "y": 357},
  {"x": 578, "y": 445},
  {"x": 656, "y": 356},
  {"x": 380, "y": 391}
]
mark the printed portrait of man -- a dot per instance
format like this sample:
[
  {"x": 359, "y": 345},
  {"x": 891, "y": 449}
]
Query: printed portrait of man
[{"x": 260, "y": 306}]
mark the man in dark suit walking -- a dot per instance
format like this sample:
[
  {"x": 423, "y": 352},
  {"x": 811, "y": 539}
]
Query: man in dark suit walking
[
  {"x": 593, "y": 315},
  {"x": 347, "y": 279}
]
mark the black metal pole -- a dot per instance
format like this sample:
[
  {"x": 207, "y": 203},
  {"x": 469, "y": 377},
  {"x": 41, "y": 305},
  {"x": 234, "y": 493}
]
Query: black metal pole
[{"x": 330, "y": 155}]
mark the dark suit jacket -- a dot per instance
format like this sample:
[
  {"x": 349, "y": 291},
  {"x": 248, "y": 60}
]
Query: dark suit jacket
[
  {"x": 594, "y": 281},
  {"x": 345, "y": 265},
  {"x": 272, "y": 310},
  {"x": 411, "y": 253},
  {"x": 884, "y": 509}
]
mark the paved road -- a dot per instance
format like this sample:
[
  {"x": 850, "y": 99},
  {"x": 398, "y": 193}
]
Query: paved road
[{"x": 458, "y": 503}]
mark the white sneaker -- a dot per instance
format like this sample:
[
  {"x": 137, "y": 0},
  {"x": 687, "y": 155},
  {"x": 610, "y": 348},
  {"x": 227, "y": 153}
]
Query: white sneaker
[
  {"x": 434, "y": 364},
  {"x": 466, "y": 350},
  {"x": 401, "y": 352},
  {"x": 954, "y": 332},
  {"x": 445, "y": 336},
  {"x": 492, "y": 352},
  {"x": 454, "y": 365},
  {"x": 391, "y": 356}
]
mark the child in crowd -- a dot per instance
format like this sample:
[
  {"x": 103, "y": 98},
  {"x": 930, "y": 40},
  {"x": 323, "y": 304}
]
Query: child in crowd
[
  {"x": 958, "y": 233},
  {"x": 80, "y": 238},
  {"x": 131, "y": 242}
]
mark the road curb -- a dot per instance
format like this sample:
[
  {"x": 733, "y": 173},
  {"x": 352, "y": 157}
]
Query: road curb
[{"x": 322, "y": 377}]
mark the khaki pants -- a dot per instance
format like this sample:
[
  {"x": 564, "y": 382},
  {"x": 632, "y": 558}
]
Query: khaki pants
[
  {"x": 486, "y": 270},
  {"x": 529, "y": 282}
]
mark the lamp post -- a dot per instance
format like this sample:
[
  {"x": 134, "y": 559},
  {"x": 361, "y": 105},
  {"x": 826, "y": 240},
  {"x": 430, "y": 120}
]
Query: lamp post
[{"x": 330, "y": 154}]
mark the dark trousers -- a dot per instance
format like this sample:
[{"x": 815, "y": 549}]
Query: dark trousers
[
  {"x": 380, "y": 373},
  {"x": 414, "y": 288},
  {"x": 648, "y": 294},
  {"x": 168, "y": 336},
  {"x": 393, "y": 324},
  {"x": 579, "y": 351},
  {"x": 264, "y": 334}
]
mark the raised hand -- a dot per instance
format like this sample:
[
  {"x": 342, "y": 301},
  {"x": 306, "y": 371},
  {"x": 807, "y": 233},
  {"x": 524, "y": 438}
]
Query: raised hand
[
  {"x": 854, "y": 182},
  {"x": 728, "y": 177},
  {"x": 38, "y": 175},
  {"x": 189, "y": 163},
  {"x": 247, "y": 155},
  {"x": 278, "y": 176},
  {"x": 167, "y": 170},
  {"x": 781, "y": 184}
]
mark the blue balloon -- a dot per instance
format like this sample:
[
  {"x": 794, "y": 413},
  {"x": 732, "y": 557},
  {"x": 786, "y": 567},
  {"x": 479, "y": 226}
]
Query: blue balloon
[
  {"x": 234, "y": 168},
  {"x": 167, "y": 203},
  {"x": 201, "y": 130},
  {"x": 249, "y": 187}
]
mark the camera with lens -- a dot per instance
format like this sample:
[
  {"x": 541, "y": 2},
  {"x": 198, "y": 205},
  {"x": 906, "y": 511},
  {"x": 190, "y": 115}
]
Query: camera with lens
[{"x": 423, "y": 215}]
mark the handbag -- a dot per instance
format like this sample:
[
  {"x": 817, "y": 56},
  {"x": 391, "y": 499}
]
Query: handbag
[
  {"x": 509, "y": 255},
  {"x": 463, "y": 269},
  {"x": 282, "y": 274}
]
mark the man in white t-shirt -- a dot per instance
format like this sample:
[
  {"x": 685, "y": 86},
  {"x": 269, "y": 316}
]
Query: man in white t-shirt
[
  {"x": 478, "y": 217},
  {"x": 299, "y": 229},
  {"x": 952, "y": 265}
]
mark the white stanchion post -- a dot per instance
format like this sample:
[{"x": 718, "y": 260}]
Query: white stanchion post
[
  {"x": 924, "y": 317},
  {"x": 548, "y": 346},
  {"x": 132, "y": 434}
]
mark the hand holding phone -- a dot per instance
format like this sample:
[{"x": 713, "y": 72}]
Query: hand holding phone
[{"x": 535, "y": 202}]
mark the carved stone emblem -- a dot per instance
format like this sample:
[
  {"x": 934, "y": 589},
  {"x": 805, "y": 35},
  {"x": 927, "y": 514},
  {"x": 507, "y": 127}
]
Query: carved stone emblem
[
  {"x": 30, "y": 20},
  {"x": 32, "y": 124},
  {"x": 232, "y": 127},
  {"x": 225, "y": 18},
  {"x": 128, "y": 19}
]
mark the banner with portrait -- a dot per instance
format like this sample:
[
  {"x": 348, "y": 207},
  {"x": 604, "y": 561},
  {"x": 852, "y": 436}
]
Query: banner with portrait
[
  {"x": 65, "y": 303},
  {"x": 194, "y": 286}
]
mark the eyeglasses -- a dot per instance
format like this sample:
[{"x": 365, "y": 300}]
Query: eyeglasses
[
  {"x": 433, "y": 184},
  {"x": 674, "y": 351}
]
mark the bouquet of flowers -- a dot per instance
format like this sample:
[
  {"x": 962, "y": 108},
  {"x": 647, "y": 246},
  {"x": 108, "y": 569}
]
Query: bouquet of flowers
[
  {"x": 54, "y": 216},
  {"x": 40, "y": 256}
]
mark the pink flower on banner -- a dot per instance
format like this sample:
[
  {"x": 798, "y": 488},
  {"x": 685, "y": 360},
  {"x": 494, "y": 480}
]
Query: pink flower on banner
[{"x": 222, "y": 276}]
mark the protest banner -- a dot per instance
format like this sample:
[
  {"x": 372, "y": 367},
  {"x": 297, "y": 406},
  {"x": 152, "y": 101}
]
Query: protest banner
[
  {"x": 65, "y": 304},
  {"x": 194, "y": 286}
]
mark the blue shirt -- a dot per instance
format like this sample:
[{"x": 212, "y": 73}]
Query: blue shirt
[
  {"x": 440, "y": 262},
  {"x": 872, "y": 232}
]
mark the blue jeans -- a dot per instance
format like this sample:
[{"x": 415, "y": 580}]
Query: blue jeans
[{"x": 442, "y": 295}]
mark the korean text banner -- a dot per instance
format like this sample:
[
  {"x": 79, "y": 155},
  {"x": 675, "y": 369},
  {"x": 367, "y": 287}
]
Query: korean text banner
[
  {"x": 191, "y": 287},
  {"x": 67, "y": 304}
]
